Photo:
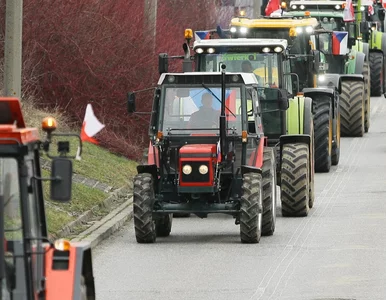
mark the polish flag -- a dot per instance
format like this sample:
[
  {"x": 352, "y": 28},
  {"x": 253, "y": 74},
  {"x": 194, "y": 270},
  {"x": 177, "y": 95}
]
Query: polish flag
[
  {"x": 348, "y": 12},
  {"x": 91, "y": 126}
]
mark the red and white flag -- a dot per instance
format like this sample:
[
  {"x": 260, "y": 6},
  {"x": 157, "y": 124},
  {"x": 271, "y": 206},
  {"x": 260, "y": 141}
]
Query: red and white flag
[
  {"x": 348, "y": 12},
  {"x": 91, "y": 126},
  {"x": 272, "y": 6},
  {"x": 370, "y": 10}
]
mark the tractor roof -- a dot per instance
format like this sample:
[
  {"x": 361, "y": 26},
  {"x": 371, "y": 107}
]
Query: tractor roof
[
  {"x": 319, "y": 13},
  {"x": 12, "y": 125},
  {"x": 240, "y": 42},
  {"x": 316, "y": 3},
  {"x": 247, "y": 78},
  {"x": 273, "y": 22}
]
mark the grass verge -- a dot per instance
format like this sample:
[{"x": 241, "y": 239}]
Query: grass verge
[{"x": 96, "y": 163}]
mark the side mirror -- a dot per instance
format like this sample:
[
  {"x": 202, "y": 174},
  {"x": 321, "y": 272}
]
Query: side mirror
[
  {"x": 364, "y": 27},
  {"x": 282, "y": 100},
  {"x": 316, "y": 61},
  {"x": 131, "y": 102},
  {"x": 352, "y": 34},
  {"x": 61, "y": 183},
  {"x": 163, "y": 64}
]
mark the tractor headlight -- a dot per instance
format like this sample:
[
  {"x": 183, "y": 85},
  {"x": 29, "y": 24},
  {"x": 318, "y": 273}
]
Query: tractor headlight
[
  {"x": 199, "y": 50},
  {"x": 243, "y": 30},
  {"x": 203, "y": 169},
  {"x": 233, "y": 29},
  {"x": 322, "y": 78},
  {"x": 187, "y": 169},
  {"x": 302, "y": 7},
  {"x": 325, "y": 20},
  {"x": 294, "y": 7},
  {"x": 309, "y": 29}
]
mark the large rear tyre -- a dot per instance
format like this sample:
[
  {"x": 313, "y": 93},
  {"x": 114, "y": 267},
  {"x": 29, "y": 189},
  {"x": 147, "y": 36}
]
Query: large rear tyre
[
  {"x": 352, "y": 110},
  {"x": 295, "y": 180},
  {"x": 376, "y": 73},
  {"x": 143, "y": 201},
  {"x": 251, "y": 210},
  {"x": 269, "y": 192},
  {"x": 323, "y": 133},
  {"x": 163, "y": 226},
  {"x": 366, "y": 77}
]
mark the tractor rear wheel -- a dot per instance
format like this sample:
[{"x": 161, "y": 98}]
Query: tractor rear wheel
[
  {"x": 323, "y": 133},
  {"x": 376, "y": 73},
  {"x": 352, "y": 110},
  {"x": 295, "y": 180},
  {"x": 251, "y": 216},
  {"x": 143, "y": 201},
  {"x": 269, "y": 192},
  {"x": 163, "y": 225},
  {"x": 366, "y": 77}
]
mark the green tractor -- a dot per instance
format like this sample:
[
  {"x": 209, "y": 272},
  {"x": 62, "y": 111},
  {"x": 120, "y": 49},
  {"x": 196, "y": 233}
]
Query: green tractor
[
  {"x": 371, "y": 30},
  {"x": 343, "y": 54},
  {"x": 287, "y": 129},
  {"x": 209, "y": 159},
  {"x": 305, "y": 62}
]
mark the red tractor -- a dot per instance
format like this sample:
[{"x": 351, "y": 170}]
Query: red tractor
[
  {"x": 31, "y": 266},
  {"x": 208, "y": 159}
]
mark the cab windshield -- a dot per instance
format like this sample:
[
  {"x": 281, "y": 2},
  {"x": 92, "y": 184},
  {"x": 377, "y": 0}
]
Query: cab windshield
[
  {"x": 196, "y": 110},
  {"x": 265, "y": 66}
]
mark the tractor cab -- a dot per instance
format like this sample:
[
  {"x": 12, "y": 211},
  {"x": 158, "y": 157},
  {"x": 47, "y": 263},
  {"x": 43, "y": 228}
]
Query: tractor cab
[
  {"x": 205, "y": 136},
  {"x": 31, "y": 266}
]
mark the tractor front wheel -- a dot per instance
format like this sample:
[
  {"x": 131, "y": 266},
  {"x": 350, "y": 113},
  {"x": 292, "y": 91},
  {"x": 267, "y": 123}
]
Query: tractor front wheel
[
  {"x": 376, "y": 73},
  {"x": 295, "y": 180},
  {"x": 163, "y": 225},
  {"x": 352, "y": 110},
  {"x": 269, "y": 192},
  {"x": 323, "y": 133},
  {"x": 143, "y": 201},
  {"x": 251, "y": 207}
]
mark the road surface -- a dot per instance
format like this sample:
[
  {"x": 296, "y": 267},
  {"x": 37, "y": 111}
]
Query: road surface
[{"x": 337, "y": 252}]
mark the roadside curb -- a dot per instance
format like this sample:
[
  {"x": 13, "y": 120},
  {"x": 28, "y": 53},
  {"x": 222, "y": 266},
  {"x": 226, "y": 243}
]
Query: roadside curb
[
  {"x": 106, "y": 227},
  {"x": 123, "y": 192}
]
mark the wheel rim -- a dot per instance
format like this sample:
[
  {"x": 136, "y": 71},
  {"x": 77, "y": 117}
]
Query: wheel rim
[
  {"x": 330, "y": 138},
  {"x": 273, "y": 173},
  {"x": 338, "y": 132},
  {"x": 260, "y": 216}
]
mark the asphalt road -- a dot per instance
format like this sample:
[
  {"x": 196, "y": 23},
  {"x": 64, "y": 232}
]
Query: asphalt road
[{"x": 337, "y": 252}]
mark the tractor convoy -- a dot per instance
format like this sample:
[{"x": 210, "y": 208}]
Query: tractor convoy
[{"x": 259, "y": 105}]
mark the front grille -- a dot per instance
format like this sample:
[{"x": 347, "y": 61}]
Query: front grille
[{"x": 195, "y": 176}]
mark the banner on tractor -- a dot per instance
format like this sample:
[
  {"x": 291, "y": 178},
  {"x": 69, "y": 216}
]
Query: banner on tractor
[{"x": 339, "y": 42}]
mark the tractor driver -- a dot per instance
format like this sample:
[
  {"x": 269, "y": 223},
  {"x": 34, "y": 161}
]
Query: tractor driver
[
  {"x": 246, "y": 67},
  {"x": 206, "y": 116}
]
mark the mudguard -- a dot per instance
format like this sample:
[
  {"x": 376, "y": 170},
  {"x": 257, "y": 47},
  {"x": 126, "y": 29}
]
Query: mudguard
[
  {"x": 295, "y": 138},
  {"x": 330, "y": 92},
  {"x": 352, "y": 77},
  {"x": 65, "y": 269},
  {"x": 250, "y": 169},
  {"x": 294, "y": 115},
  {"x": 307, "y": 115},
  {"x": 151, "y": 169},
  {"x": 359, "y": 62},
  {"x": 329, "y": 80}
]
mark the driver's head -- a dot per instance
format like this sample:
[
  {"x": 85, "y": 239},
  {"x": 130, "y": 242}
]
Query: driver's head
[
  {"x": 207, "y": 100},
  {"x": 246, "y": 66}
]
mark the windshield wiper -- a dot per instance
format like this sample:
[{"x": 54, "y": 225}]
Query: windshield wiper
[{"x": 210, "y": 91}]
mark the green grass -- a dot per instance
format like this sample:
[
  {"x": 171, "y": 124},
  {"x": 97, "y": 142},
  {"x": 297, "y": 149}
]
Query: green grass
[
  {"x": 99, "y": 164},
  {"x": 60, "y": 214}
]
